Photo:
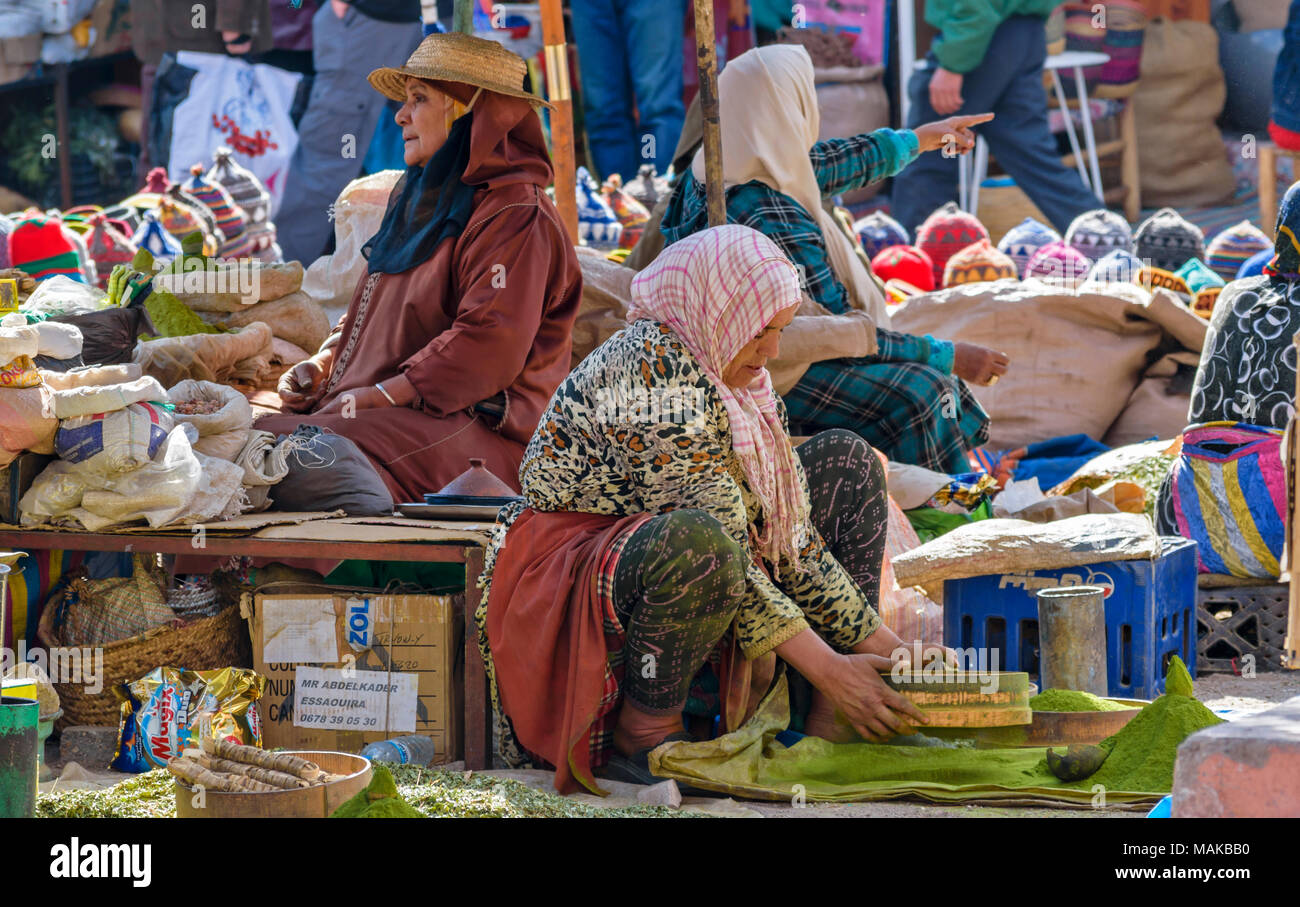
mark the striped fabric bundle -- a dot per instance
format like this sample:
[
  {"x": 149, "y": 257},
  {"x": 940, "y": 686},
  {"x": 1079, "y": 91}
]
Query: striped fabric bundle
[
  {"x": 1126, "y": 23},
  {"x": 1228, "y": 494},
  {"x": 1082, "y": 33},
  {"x": 1228, "y": 251}
]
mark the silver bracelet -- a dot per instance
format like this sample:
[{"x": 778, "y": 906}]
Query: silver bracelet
[{"x": 387, "y": 396}]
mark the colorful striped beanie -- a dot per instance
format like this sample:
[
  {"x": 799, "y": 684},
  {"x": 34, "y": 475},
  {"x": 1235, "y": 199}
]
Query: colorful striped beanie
[
  {"x": 108, "y": 246},
  {"x": 906, "y": 263},
  {"x": 43, "y": 247},
  {"x": 978, "y": 263},
  {"x": 213, "y": 195},
  {"x": 1117, "y": 266},
  {"x": 1254, "y": 266},
  {"x": 945, "y": 233},
  {"x": 1059, "y": 263},
  {"x": 1094, "y": 234},
  {"x": 1228, "y": 251},
  {"x": 1024, "y": 239},
  {"x": 878, "y": 231},
  {"x": 1166, "y": 240},
  {"x": 151, "y": 236}
]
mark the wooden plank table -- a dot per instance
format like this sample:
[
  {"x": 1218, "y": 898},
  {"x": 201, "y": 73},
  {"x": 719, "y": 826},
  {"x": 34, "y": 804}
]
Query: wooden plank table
[{"x": 454, "y": 543}]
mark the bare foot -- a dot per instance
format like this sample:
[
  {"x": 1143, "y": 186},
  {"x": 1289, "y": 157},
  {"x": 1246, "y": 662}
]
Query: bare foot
[
  {"x": 821, "y": 722},
  {"x": 637, "y": 730}
]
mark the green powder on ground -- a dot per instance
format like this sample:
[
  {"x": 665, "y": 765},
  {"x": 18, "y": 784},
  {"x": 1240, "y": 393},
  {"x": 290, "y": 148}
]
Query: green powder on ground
[
  {"x": 1073, "y": 701},
  {"x": 1142, "y": 754},
  {"x": 380, "y": 800}
]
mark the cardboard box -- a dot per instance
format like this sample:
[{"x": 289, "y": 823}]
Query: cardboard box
[{"x": 371, "y": 667}]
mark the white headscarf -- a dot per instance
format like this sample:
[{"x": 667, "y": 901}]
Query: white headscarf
[{"x": 767, "y": 102}]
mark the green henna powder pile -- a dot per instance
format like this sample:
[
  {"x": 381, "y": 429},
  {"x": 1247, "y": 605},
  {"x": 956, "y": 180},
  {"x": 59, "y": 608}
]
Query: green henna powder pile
[
  {"x": 1142, "y": 754},
  {"x": 1073, "y": 701},
  {"x": 380, "y": 800}
]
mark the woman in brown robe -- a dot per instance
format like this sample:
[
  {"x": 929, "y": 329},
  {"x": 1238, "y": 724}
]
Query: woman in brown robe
[{"x": 460, "y": 331}]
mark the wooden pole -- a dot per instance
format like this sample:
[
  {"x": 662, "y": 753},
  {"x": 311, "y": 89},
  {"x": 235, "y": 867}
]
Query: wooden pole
[
  {"x": 462, "y": 17},
  {"x": 706, "y": 57},
  {"x": 558, "y": 93},
  {"x": 1292, "y": 643}
]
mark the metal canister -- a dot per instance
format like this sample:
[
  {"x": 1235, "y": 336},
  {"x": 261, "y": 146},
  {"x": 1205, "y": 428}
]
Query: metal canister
[
  {"x": 1072, "y": 639},
  {"x": 18, "y": 742}
]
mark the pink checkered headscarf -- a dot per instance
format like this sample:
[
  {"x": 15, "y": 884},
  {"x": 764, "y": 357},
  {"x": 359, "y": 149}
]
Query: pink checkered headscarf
[{"x": 717, "y": 290}]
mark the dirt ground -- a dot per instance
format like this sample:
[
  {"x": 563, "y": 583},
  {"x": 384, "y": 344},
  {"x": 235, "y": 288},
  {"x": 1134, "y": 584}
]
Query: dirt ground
[{"x": 1225, "y": 693}]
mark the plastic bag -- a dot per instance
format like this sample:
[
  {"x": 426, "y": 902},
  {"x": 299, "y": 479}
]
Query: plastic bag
[
  {"x": 906, "y": 610},
  {"x": 26, "y": 422},
  {"x": 358, "y": 211},
  {"x": 61, "y": 295}
]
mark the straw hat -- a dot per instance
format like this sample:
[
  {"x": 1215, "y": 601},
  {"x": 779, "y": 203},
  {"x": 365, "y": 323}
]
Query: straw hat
[{"x": 456, "y": 57}]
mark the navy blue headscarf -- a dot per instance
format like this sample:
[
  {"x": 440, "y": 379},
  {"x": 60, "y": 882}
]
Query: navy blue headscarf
[
  {"x": 1286, "y": 240},
  {"x": 428, "y": 204}
]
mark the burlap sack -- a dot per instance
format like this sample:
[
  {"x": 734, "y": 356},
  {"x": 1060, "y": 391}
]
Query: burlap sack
[
  {"x": 606, "y": 292},
  {"x": 265, "y": 281},
  {"x": 1181, "y": 93},
  {"x": 1156, "y": 408},
  {"x": 207, "y": 357},
  {"x": 852, "y": 100},
  {"x": 296, "y": 318},
  {"x": 1076, "y": 356},
  {"x": 224, "y": 433},
  {"x": 1014, "y": 546}
]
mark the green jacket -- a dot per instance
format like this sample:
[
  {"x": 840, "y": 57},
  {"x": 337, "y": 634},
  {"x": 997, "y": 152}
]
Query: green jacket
[{"x": 967, "y": 26}]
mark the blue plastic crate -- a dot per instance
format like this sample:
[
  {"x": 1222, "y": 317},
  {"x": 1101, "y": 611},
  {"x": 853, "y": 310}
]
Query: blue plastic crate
[{"x": 1150, "y": 615}]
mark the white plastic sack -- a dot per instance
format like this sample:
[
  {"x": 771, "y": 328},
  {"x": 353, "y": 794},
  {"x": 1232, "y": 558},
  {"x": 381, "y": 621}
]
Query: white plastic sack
[
  {"x": 358, "y": 212},
  {"x": 61, "y": 295},
  {"x": 180, "y": 486},
  {"x": 115, "y": 442},
  {"x": 222, "y": 434},
  {"x": 86, "y": 401},
  {"x": 58, "y": 340},
  {"x": 16, "y": 342},
  {"x": 91, "y": 376},
  {"x": 256, "y": 97}
]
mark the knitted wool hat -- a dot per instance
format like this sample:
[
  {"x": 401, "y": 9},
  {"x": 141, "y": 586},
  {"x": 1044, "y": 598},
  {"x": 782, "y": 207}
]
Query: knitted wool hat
[
  {"x": 108, "y": 246},
  {"x": 1117, "y": 266},
  {"x": 1059, "y": 263},
  {"x": 248, "y": 193},
  {"x": 1093, "y": 234},
  {"x": 181, "y": 219},
  {"x": 43, "y": 247},
  {"x": 977, "y": 263},
  {"x": 153, "y": 237},
  {"x": 1024, "y": 239},
  {"x": 906, "y": 263},
  {"x": 630, "y": 212},
  {"x": 945, "y": 233},
  {"x": 879, "y": 231},
  {"x": 1228, "y": 251},
  {"x": 1254, "y": 266},
  {"x": 1166, "y": 240},
  {"x": 1203, "y": 302},
  {"x": 597, "y": 223},
  {"x": 1160, "y": 279},
  {"x": 229, "y": 218},
  {"x": 1198, "y": 276}
]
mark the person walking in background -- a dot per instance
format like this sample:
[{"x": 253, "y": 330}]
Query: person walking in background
[
  {"x": 235, "y": 27},
  {"x": 350, "y": 38},
  {"x": 630, "y": 61},
  {"x": 989, "y": 57},
  {"x": 1284, "y": 122}
]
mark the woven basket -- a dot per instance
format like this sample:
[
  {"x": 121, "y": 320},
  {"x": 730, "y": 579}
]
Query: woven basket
[{"x": 220, "y": 641}]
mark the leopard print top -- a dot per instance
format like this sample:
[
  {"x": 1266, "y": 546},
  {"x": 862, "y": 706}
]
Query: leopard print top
[{"x": 638, "y": 427}]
